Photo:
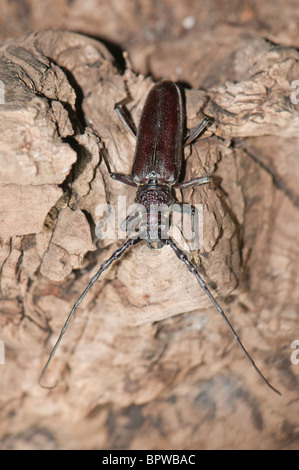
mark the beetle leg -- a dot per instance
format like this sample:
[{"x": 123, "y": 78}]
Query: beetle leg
[
  {"x": 194, "y": 182},
  {"x": 125, "y": 179},
  {"x": 192, "y": 211},
  {"x": 197, "y": 130},
  {"x": 118, "y": 108}
]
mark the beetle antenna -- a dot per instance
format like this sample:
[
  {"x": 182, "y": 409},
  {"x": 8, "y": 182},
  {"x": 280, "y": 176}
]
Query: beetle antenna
[
  {"x": 193, "y": 269},
  {"x": 115, "y": 255}
]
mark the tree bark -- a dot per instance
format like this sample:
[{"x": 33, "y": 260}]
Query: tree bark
[{"x": 146, "y": 344}]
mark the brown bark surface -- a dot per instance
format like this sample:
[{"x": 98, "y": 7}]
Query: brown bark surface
[{"x": 147, "y": 363}]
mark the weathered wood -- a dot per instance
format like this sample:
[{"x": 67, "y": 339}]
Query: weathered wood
[{"x": 146, "y": 346}]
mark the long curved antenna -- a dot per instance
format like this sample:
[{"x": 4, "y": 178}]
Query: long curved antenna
[
  {"x": 192, "y": 268},
  {"x": 115, "y": 255}
]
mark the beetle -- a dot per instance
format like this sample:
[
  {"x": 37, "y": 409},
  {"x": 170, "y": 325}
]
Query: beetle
[{"x": 156, "y": 173}]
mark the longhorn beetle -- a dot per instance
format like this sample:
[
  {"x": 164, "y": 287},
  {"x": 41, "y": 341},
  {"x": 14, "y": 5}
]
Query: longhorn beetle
[{"x": 155, "y": 173}]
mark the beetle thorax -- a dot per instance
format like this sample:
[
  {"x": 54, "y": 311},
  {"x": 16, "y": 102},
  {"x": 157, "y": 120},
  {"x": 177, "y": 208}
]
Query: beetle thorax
[{"x": 154, "y": 194}]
